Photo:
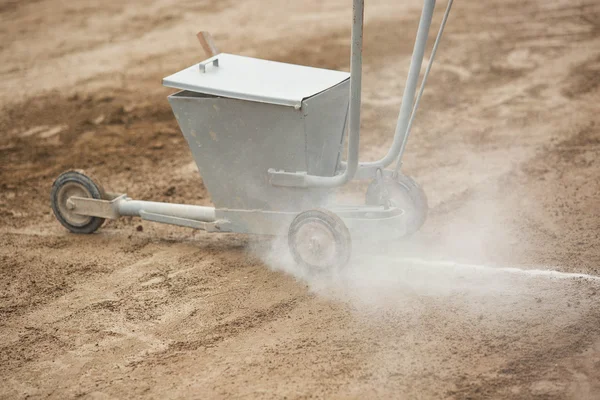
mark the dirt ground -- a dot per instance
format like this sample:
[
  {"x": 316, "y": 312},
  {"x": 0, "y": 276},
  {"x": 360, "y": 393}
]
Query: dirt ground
[{"x": 506, "y": 145}]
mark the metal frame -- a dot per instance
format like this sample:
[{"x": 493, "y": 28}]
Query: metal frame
[{"x": 359, "y": 218}]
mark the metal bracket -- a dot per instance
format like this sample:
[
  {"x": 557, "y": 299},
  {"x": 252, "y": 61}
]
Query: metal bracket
[
  {"x": 368, "y": 171},
  {"x": 298, "y": 179},
  {"x": 96, "y": 208},
  {"x": 289, "y": 179},
  {"x": 367, "y": 222}
]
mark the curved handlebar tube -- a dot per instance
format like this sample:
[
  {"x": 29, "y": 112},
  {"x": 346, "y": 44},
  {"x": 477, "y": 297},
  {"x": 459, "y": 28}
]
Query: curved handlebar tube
[{"x": 280, "y": 178}]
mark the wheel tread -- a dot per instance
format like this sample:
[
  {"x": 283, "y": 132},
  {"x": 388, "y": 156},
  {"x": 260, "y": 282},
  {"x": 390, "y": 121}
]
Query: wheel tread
[{"x": 95, "y": 190}]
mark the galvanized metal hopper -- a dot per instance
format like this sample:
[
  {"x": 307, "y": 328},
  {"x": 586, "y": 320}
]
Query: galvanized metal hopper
[{"x": 242, "y": 116}]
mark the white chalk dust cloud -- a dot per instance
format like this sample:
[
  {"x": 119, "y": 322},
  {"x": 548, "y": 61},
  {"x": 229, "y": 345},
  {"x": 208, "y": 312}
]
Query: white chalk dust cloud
[{"x": 450, "y": 259}]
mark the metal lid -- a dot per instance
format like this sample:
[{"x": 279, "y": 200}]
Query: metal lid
[{"x": 247, "y": 78}]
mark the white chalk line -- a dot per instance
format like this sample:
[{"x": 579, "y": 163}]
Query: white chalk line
[{"x": 548, "y": 273}]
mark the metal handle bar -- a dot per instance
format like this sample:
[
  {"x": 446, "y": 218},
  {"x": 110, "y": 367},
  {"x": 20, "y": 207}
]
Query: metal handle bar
[
  {"x": 422, "y": 88},
  {"x": 406, "y": 108},
  {"x": 281, "y": 178}
]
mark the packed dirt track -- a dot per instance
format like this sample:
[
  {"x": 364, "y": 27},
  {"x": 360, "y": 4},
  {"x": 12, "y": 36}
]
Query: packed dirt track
[{"x": 506, "y": 145}]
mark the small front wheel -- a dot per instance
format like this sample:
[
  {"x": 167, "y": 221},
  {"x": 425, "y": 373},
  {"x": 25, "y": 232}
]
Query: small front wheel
[
  {"x": 75, "y": 184},
  {"x": 320, "y": 241}
]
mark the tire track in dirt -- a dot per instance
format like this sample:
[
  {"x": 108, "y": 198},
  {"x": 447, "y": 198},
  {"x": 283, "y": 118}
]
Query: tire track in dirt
[
  {"x": 119, "y": 296},
  {"x": 25, "y": 288},
  {"x": 101, "y": 294},
  {"x": 215, "y": 335}
]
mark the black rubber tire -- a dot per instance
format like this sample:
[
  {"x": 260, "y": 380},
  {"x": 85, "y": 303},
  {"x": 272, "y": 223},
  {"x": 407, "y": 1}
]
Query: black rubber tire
[
  {"x": 405, "y": 192},
  {"x": 338, "y": 230},
  {"x": 95, "y": 191}
]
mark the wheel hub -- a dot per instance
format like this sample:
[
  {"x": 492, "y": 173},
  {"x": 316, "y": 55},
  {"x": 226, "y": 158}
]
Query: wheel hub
[
  {"x": 66, "y": 205},
  {"x": 319, "y": 241},
  {"x": 316, "y": 244}
]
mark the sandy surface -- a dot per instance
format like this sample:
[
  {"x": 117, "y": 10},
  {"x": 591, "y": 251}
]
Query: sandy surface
[{"x": 506, "y": 145}]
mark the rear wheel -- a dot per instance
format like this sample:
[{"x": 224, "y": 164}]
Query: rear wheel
[
  {"x": 320, "y": 241},
  {"x": 75, "y": 184},
  {"x": 403, "y": 192}
]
